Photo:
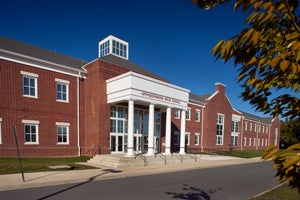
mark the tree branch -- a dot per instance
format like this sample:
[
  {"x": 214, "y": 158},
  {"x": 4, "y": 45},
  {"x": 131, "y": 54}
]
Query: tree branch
[{"x": 292, "y": 16}]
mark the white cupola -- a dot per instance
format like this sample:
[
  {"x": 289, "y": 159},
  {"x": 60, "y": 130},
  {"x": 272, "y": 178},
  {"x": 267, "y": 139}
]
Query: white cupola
[{"x": 113, "y": 45}]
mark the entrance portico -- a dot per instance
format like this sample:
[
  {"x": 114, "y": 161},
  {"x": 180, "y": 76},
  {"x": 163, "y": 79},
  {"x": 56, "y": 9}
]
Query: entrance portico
[{"x": 137, "y": 89}]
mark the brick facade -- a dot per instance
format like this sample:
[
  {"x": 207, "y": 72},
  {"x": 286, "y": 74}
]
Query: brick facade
[{"x": 87, "y": 113}]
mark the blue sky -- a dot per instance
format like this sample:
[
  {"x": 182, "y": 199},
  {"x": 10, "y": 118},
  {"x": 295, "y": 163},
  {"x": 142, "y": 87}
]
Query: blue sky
[{"x": 171, "y": 38}]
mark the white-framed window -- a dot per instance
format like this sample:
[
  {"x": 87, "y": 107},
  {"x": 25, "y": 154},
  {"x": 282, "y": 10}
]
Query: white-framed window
[
  {"x": 234, "y": 140},
  {"x": 263, "y": 129},
  {"x": 188, "y": 114},
  {"x": 255, "y": 127},
  {"x": 187, "y": 138},
  {"x": 245, "y": 141},
  {"x": 62, "y": 130},
  {"x": 262, "y": 142},
  {"x": 266, "y": 142},
  {"x": 258, "y": 142},
  {"x": 31, "y": 131},
  {"x": 176, "y": 138},
  {"x": 177, "y": 114},
  {"x": 197, "y": 138},
  {"x": 267, "y": 130},
  {"x": 197, "y": 115},
  {"x": 234, "y": 126},
  {"x": 259, "y": 128},
  {"x": 220, "y": 129},
  {"x": 245, "y": 125},
  {"x": 249, "y": 142},
  {"x": 30, "y": 84},
  {"x": 0, "y": 130},
  {"x": 275, "y": 136},
  {"x": 62, "y": 90},
  {"x": 119, "y": 48},
  {"x": 254, "y": 142}
]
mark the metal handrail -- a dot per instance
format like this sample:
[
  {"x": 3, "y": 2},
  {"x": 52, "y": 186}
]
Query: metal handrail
[{"x": 92, "y": 150}]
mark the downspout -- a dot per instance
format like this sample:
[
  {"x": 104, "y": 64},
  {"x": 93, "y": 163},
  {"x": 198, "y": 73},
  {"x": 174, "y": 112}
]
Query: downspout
[
  {"x": 78, "y": 114},
  {"x": 242, "y": 133},
  {"x": 202, "y": 129}
]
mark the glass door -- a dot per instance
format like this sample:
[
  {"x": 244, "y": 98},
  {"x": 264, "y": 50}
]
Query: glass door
[{"x": 116, "y": 143}]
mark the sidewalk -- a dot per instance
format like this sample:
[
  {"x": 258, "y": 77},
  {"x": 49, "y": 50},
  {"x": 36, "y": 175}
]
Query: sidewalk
[{"x": 40, "y": 179}]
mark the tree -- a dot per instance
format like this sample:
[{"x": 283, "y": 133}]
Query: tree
[
  {"x": 290, "y": 132},
  {"x": 267, "y": 57}
]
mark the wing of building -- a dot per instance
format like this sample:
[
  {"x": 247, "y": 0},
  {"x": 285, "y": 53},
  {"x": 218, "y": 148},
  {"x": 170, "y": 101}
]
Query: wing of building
[{"x": 64, "y": 106}]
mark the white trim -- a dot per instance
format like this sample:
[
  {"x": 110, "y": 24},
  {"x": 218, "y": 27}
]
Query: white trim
[
  {"x": 29, "y": 74},
  {"x": 214, "y": 94},
  {"x": 62, "y": 81},
  {"x": 62, "y": 124},
  {"x": 42, "y": 67},
  {"x": 26, "y": 121},
  {"x": 201, "y": 104}
]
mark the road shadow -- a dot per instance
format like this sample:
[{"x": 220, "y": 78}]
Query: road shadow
[
  {"x": 106, "y": 171},
  {"x": 194, "y": 193}
]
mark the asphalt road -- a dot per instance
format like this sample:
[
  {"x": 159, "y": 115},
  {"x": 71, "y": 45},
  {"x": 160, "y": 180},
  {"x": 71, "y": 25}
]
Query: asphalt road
[{"x": 237, "y": 182}]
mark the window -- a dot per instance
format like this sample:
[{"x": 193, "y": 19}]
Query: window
[
  {"x": 0, "y": 131},
  {"x": 266, "y": 142},
  {"x": 250, "y": 127},
  {"x": 220, "y": 129},
  {"x": 197, "y": 138},
  {"x": 267, "y": 130},
  {"x": 119, "y": 49},
  {"x": 176, "y": 138},
  {"x": 235, "y": 126},
  {"x": 263, "y": 129},
  {"x": 245, "y": 126},
  {"x": 29, "y": 84},
  {"x": 177, "y": 114},
  {"x": 275, "y": 136},
  {"x": 254, "y": 142},
  {"x": 258, "y": 142},
  {"x": 197, "y": 115},
  {"x": 234, "y": 140},
  {"x": 249, "y": 142},
  {"x": 62, "y": 90},
  {"x": 187, "y": 139},
  {"x": 62, "y": 132},
  {"x": 245, "y": 141},
  {"x": 259, "y": 128},
  {"x": 262, "y": 142},
  {"x": 255, "y": 127},
  {"x": 31, "y": 131},
  {"x": 188, "y": 114},
  {"x": 104, "y": 48}
]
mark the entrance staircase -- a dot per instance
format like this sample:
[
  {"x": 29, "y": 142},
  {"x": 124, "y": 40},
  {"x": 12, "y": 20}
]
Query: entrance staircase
[{"x": 120, "y": 160}]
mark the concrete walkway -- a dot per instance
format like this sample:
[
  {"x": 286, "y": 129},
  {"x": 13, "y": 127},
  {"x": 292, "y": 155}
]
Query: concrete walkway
[{"x": 39, "y": 179}]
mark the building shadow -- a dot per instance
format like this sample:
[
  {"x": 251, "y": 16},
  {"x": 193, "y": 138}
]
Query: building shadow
[
  {"x": 106, "y": 171},
  {"x": 194, "y": 193}
]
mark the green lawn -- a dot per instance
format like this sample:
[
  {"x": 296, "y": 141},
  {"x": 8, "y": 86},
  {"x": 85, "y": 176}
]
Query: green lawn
[
  {"x": 11, "y": 165},
  {"x": 241, "y": 153},
  {"x": 283, "y": 192}
]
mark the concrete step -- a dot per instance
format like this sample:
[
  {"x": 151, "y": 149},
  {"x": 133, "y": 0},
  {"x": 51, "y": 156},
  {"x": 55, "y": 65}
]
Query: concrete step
[{"x": 117, "y": 160}]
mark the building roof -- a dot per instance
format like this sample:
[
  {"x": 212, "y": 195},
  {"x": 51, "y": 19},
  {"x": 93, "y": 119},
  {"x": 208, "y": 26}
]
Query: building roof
[
  {"x": 16, "y": 47},
  {"x": 131, "y": 66},
  {"x": 256, "y": 118},
  {"x": 194, "y": 98}
]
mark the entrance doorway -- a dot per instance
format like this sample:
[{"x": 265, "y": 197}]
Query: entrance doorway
[{"x": 116, "y": 143}]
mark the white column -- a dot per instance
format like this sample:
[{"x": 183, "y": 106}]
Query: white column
[
  {"x": 151, "y": 131},
  {"x": 168, "y": 132},
  {"x": 182, "y": 133},
  {"x": 130, "y": 128}
]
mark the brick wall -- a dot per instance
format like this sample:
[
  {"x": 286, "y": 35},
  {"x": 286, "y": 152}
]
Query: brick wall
[{"x": 14, "y": 108}]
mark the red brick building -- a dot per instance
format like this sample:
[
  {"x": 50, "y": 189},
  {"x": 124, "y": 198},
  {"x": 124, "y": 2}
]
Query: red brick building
[{"x": 63, "y": 106}]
